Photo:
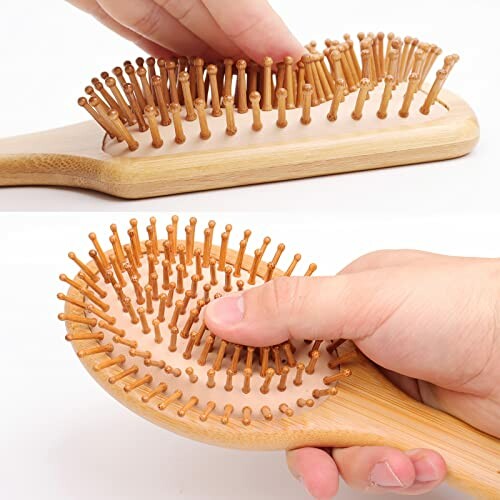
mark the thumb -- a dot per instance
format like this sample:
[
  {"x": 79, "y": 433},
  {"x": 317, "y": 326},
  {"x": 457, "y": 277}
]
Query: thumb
[{"x": 350, "y": 306}]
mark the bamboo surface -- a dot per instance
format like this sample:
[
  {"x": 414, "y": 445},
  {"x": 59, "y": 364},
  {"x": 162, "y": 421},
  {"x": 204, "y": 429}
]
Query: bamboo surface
[{"x": 79, "y": 156}]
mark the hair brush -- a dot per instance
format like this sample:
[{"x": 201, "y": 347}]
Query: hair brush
[
  {"x": 163, "y": 127},
  {"x": 134, "y": 315}
]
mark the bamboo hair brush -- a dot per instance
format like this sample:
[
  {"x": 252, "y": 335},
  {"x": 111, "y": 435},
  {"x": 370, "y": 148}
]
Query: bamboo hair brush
[
  {"x": 164, "y": 127},
  {"x": 134, "y": 316}
]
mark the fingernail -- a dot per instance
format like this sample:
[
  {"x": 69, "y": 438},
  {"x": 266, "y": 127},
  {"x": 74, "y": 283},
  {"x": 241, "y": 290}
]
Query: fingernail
[
  {"x": 384, "y": 476},
  {"x": 425, "y": 472},
  {"x": 228, "y": 310}
]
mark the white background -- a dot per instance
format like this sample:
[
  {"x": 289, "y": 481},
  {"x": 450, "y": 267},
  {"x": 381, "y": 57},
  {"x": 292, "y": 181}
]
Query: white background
[
  {"x": 50, "y": 51},
  {"x": 63, "y": 437}
]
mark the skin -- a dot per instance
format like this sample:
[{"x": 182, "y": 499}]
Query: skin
[
  {"x": 430, "y": 322},
  {"x": 212, "y": 29}
]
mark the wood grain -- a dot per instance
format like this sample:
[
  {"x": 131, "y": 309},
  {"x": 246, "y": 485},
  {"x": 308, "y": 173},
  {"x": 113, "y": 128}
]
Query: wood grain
[{"x": 71, "y": 156}]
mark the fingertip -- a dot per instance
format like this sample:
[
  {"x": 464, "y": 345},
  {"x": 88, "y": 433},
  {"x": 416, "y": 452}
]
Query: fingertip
[
  {"x": 316, "y": 470},
  {"x": 222, "y": 316},
  {"x": 430, "y": 466}
]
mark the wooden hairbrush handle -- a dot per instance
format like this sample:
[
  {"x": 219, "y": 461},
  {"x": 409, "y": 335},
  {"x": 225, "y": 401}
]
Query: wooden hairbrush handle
[
  {"x": 369, "y": 410},
  {"x": 67, "y": 156}
]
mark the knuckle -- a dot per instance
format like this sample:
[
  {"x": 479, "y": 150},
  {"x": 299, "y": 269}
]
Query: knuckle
[
  {"x": 368, "y": 260},
  {"x": 288, "y": 299},
  {"x": 149, "y": 22},
  {"x": 177, "y": 8}
]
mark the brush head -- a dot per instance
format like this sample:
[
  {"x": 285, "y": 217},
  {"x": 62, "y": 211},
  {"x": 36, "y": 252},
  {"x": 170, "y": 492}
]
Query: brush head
[
  {"x": 135, "y": 317},
  {"x": 171, "y": 87}
]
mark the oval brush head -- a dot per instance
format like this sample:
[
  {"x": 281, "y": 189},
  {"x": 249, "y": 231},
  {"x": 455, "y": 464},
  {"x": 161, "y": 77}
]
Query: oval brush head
[{"x": 135, "y": 316}]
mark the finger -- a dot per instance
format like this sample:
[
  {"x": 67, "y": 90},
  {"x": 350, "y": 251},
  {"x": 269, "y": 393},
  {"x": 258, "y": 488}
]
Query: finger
[
  {"x": 348, "y": 306},
  {"x": 152, "y": 22},
  {"x": 94, "y": 9},
  {"x": 316, "y": 470},
  {"x": 388, "y": 258},
  {"x": 255, "y": 28},
  {"x": 197, "y": 19},
  {"x": 380, "y": 469}
]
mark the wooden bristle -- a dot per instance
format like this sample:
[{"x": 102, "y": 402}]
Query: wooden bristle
[
  {"x": 357, "y": 114},
  {"x": 230, "y": 121},
  {"x": 247, "y": 414},
  {"x": 214, "y": 90},
  {"x": 160, "y": 99},
  {"x": 195, "y": 84},
  {"x": 338, "y": 376},
  {"x": 433, "y": 95},
  {"x": 175, "y": 109},
  {"x": 200, "y": 108},
  {"x": 169, "y": 400},
  {"x": 319, "y": 393},
  {"x": 119, "y": 360},
  {"x": 414, "y": 80},
  {"x": 241, "y": 86},
  {"x": 281, "y": 95},
  {"x": 157, "y": 141},
  {"x": 307, "y": 91},
  {"x": 188, "y": 98},
  {"x": 228, "y": 410},
  {"x": 208, "y": 410}
]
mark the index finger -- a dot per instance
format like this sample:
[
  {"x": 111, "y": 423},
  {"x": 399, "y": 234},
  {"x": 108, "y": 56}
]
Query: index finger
[{"x": 255, "y": 28}]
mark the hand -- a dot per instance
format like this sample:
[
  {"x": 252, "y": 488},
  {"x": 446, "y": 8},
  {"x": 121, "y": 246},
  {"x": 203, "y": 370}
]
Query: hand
[
  {"x": 431, "y": 323},
  {"x": 212, "y": 29}
]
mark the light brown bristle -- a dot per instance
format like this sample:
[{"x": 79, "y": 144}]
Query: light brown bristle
[
  {"x": 333, "y": 378},
  {"x": 107, "y": 363},
  {"x": 175, "y": 109},
  {"x": 208, "y": 410},
  {"x": 188, "y": 99},
  {"x": 241, "y": 86},
  {"x": 230, "y": 121},
  {"x": 247, "y": 414},
  {"x": 267, "y": 85},
  {"x": 319, "y": 393},
  {"x": 307, "y": 92},
  {"x": 281, "y": 95},
  {"x": 160, "y": 389},
  {"x": 228, "y": 410},
  {"x": 345, "y": 358},
  {"x": 166, "y": 402},
  {"x": 157, "y": 141},
  {"x": 200, "y": 108},
  {"x": 160, "y": 99},
  {"x": 214, "y": 90},
  {"x": 125, "y": 373}
]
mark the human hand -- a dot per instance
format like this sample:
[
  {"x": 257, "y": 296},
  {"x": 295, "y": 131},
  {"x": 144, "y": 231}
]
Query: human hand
[
  {"x": 212, "y": 29},
  {"x": 431, "y": 323}
]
